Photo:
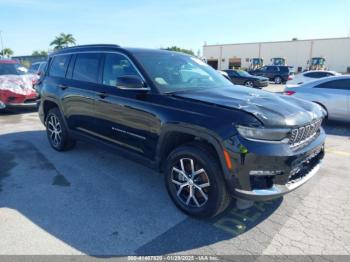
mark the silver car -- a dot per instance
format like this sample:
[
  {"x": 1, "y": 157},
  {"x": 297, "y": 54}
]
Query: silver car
[{"x": 332, "y": 93}]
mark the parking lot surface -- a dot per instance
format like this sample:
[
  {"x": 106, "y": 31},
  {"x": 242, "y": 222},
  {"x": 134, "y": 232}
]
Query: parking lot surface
[{"x": 93, "y": 201}]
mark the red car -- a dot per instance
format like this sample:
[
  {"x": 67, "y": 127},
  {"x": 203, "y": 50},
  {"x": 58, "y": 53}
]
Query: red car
[{"x": 16, "y": 86}]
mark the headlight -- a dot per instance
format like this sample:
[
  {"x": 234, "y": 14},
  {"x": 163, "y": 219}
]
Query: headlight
[{"x": 267, "y": 134}]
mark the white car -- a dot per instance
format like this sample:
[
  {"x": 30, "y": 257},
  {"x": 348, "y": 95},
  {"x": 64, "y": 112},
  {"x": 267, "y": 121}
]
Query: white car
[
  {"x": 308, "y": 76},
  {"x": 332, "y": 93}
]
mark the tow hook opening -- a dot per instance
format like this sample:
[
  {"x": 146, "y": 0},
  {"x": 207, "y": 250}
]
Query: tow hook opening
[{"x": 261, "y": 182}]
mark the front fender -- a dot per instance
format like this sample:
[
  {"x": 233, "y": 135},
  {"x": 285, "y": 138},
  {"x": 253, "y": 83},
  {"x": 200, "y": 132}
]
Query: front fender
[{"x": 206, "y": 134}]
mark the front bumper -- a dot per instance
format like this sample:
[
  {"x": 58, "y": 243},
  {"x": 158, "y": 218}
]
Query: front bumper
[
  {"x": 282, "y": 170},
  {"x": 261, "y": 83},
  {"x": 22, "y": 105},
  {"x": 11, "y": 99}
]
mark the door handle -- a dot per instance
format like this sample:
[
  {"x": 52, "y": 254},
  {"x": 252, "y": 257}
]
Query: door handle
[
  {"x": 63, "y": 87},
  {"x": 102, "y": 95}
]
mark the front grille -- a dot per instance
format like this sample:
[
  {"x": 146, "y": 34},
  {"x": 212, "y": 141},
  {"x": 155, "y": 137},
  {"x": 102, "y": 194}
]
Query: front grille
[{"x": 302, "y": 135}]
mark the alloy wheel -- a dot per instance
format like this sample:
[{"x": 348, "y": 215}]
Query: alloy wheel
[
  {"x": 249, "y": 84},
  {"x": 55, "y": 130},
  {"x": 278, "y": 80},
  {"x": 191, "y": 182}
]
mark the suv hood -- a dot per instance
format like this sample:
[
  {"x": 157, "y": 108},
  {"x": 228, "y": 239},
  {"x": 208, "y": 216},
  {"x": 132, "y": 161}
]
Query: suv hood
[{"x": 271, "y": 109}]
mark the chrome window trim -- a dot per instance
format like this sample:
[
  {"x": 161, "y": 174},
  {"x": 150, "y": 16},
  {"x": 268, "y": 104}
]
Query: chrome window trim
[{"x": 111, "y": 52}]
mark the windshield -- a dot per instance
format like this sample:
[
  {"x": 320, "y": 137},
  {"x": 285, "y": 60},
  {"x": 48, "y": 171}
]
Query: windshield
[
  {"x": 243, "y": 73},
  {"x": 172, "y": 72},
  {"x": 12, "y": 69}
]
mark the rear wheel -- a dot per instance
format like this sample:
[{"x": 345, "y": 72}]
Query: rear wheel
[
  {"x": 57, "y": 132},
  {"x": 195, "y": 183},
  {"x": 278, "y": 80}
]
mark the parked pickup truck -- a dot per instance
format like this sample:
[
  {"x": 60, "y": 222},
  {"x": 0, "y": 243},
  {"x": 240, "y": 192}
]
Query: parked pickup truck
[{"x": 211, "y": 139}]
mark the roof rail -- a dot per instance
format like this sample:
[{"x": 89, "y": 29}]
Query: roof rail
[
  {"x": 95, "y": 45},
  {"x": 83, "y": 46}
]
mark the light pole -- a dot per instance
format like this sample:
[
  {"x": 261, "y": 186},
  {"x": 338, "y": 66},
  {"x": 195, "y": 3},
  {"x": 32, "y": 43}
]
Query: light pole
[{"x": 2, "y": 44}]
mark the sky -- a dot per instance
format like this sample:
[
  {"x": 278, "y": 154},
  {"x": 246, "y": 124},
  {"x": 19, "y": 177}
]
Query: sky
[{"x": 29, "y": 25}]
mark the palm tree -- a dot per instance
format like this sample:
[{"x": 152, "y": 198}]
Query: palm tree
[
  {"x": 63, "y": 40},
  {"x": 58, "y": 43},
  {"x": 68, "y": 39},
  {"x": 7, "y": 52}
]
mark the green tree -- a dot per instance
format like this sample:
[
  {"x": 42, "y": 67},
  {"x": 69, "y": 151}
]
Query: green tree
[
  {"x": 57, "y": 43},
  {"x": 178, "y": 49},
  {"x": 39, "y": 53},
  {"x": 63, "y": 40},
  {"x": 7, "y": 52},
  {"x": 68, "y": 39}
]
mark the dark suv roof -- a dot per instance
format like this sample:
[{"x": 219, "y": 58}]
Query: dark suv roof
[
  {"x": 105, "y": 47},
  {"x": 86, "y": 48}
]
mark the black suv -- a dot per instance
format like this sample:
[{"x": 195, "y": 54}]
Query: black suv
[
  {"x": 278, "y": 74},
  {"x": 211, "y": 139}
]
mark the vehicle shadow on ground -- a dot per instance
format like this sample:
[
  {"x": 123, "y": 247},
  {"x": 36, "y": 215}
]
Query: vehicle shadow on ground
[
  {"x": 102, "y": 204},
  {"x": 336, "y": 128},
  {"x": 17, "y": 111},
  {"x": 194, "y": 233}
]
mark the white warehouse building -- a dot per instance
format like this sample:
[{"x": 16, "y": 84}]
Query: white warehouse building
[{"x": 297, "y": 53}]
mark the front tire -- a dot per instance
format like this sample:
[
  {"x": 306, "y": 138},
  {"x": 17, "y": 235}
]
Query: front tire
[
  {"x": 195, "y": 182},
  {"x": 57, "y": 132},
  {"x": 249, "y": 84}
]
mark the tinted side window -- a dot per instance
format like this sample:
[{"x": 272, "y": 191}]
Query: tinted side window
[
  {"x": 116, "y": 65},
  {"x": 336, "y": 84},
  {"x": 42, "y": 67},
  {"x": 86, "y": 67},
  {"x": 59, "y": 65},
  {"x": 322, "y": 74},
  {"x": 34, "y": 67},
  {"x": 284, "y": 69},
  {"x": 229, "y": 72},
  {"x": 272, "y": 69},
  {"x": 317, "y": 74},
  {"x": 312, "y": 75}
]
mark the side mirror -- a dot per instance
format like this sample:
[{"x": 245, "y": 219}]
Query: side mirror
[{"x": 131, "y": 82}]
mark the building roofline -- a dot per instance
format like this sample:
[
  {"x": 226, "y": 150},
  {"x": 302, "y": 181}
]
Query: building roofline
[{"x": 283, "y": 41}]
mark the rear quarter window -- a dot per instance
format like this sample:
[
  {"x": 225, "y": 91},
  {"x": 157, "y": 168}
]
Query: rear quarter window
[
  {"x": 59, "y": 65},
  {"x": 284, "y": 69}
]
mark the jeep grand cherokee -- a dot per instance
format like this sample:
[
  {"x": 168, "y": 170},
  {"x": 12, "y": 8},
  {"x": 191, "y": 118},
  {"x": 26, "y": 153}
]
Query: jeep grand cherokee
[{"x": 212, "y": 140}]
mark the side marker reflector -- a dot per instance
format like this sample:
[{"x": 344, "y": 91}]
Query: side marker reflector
[{"x": 228, "y": 160}]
